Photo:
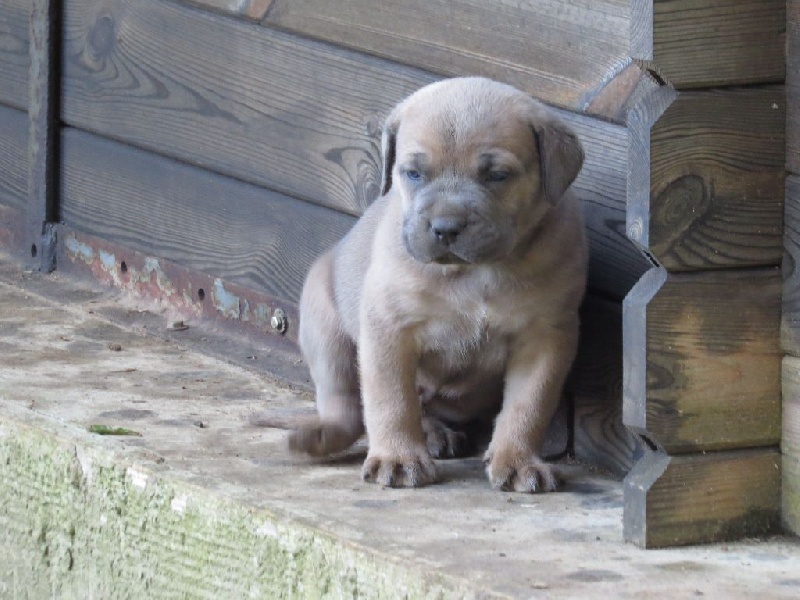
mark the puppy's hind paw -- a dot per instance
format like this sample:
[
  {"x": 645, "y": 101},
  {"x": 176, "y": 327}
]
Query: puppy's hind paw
[
  {"x": 531, "y": 475},
  {"x": 412, "y": 471},
  {"x": 442, "y": 441},
  {"x": 321, "y": 439}
]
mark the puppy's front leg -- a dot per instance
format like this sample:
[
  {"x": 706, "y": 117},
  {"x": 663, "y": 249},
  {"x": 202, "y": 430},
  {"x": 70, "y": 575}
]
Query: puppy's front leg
[
  {"x": 538, "y": 365},
  {"x": 398, "y": 455}
]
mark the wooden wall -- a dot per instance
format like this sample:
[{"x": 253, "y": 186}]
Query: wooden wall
[
  {"x": 790, "y": 324},
  {"x": 238, "y": 140}
]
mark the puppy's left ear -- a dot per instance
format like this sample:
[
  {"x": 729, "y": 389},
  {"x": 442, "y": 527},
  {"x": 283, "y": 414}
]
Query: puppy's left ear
[
  {"x": 560, "y": 155},
  {"x": 388, "y": 144}
]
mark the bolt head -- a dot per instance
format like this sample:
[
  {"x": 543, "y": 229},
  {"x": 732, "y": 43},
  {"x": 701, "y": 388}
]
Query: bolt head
[{"x": 279, "y": 322}]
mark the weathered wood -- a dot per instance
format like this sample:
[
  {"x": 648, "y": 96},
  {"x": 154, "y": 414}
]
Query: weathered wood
[
  {"x": 43, "y": 86},
  {"x": 698, "y": 498},
  {"x": 14, "y": 36},
  {"x": 294, "y": 115},
  {"x": 564, "y": 52},
  {"x": 240, "y": 233},
  {"x": 793, "y": 86},
  {"x": 595, "y": 383},
  {"x": 790, "y": 443},
  {"x": 13, "y": 158},
  {"x": 709, "y": 43},
  {"x": 790, "y": 312},
  {"x": 702, "y": 359},
  {"x": 716, "y": 181}
]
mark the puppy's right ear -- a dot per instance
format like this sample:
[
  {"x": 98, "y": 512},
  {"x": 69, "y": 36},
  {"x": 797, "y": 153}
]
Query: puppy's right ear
[{"x": 388, "y": 145}]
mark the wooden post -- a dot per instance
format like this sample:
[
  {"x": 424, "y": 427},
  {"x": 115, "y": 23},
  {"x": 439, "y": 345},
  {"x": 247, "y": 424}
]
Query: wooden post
[
  {"x": 701, "y": 358},
  {"x": 42, "y": 211}
]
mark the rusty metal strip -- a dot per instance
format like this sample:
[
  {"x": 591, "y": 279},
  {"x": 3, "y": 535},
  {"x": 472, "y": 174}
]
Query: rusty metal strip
[
  {"x": 192, "y": 294},
  {"x": 43, "y": 134}
]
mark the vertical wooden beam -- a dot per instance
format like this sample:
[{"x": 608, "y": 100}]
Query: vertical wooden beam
[
  {"x": 42, "y": 208},
  {"x": 790, "y": 443}
]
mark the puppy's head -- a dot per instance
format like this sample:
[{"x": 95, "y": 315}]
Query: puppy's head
[{"x": 477, "y": 164}]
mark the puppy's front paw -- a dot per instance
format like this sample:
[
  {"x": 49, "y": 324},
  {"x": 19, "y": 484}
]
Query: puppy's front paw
[
  {"x": 515, "y": 472},
  {"x": 414, "y": 469}
]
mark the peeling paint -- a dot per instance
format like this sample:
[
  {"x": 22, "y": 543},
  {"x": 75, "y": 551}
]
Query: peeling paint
[
  {"x": 224, "y": 301},
  {"x": 79, "y": 250},
  {"x": 170, "y": 285}
]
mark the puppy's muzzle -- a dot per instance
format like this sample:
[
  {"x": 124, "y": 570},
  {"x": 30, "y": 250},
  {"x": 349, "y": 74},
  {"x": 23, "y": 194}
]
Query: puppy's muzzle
[{"x": 446, "y": 229}]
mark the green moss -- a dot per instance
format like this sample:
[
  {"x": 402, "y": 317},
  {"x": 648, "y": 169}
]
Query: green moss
[{"x": 75, "y": 522}]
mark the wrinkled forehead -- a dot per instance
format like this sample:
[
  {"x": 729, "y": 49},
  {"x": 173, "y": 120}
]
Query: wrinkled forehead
[{"x": 456, "y": 134}]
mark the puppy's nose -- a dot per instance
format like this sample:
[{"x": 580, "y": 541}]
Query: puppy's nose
[{"x": 446, "y": 229}]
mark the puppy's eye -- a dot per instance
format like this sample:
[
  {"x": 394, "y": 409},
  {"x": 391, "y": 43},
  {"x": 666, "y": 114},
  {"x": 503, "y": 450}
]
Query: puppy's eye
[
  {"x": 497, "y": 176},
  {"x": 413, "y": 175}
]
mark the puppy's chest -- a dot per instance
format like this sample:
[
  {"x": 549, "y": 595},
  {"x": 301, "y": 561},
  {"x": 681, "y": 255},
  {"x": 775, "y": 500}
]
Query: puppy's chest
[{"x": 473, "y": 336}]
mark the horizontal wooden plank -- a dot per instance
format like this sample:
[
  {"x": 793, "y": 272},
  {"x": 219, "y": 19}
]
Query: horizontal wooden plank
[
  {"x": 14, "y": 35},
  {"x": 273, "y": 109},
  {"x": 790, "y": 321},
  {"x": 300, "y": 117},
  {"x": 702, "y": 359},
  {"x": 595, "y": 383},
  {"x": 700, "y": 498},
  {"x": 561, "y": 51},
  {"x": 708, "y": 43},
  {"x": 240, "y": 233},
  {"x": 717, "y": 180},
  {"x": 13, "y": 158}
]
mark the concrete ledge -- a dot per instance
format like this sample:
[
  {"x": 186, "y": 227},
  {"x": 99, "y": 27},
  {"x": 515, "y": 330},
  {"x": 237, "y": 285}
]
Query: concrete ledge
[
  {"x": 80, "y": 519},
  {"x": 199, "y": 505}
]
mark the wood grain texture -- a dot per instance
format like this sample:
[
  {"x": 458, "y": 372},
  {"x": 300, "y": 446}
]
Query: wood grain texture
[
  {"x": 561, "y": 52},
  {"x": 595, "y": 383},
  {"x": 702, "y": 359},
  {"x": 793, "y": 86},
  {"x": 14, "y": 36},
  {"x": 701, "y": 498},
  {"x": 790, "y": 306},
  {"x": 249, "y": 236},
  {"x": 297, "y": 116},
  {"x": 13, "y": 158},
  {"x": 717, "y": 180},
  {"x": 708, "y": 43}
]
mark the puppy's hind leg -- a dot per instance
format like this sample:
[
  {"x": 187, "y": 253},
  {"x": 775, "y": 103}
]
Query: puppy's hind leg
[{"x": 332, "y": 358}]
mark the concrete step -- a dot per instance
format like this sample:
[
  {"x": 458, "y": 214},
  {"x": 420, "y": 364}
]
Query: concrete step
[{"x": 195, "y": 503}]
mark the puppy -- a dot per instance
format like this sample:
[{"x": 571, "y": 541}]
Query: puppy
[{"x": 455, "y": 294}]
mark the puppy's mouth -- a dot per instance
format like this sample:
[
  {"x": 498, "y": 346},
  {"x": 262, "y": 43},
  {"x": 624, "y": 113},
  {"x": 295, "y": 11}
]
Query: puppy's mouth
[{"x": 449, "y": 259}]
